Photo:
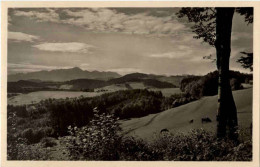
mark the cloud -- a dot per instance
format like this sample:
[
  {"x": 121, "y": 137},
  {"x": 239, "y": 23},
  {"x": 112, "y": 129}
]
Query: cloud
[
  {"x": 124, "y": 71},
  {"x": 172, "y": 55},
  {"x": 49, "y": 15},
  {"x": 73, "y": 47},
  {"x": 179, "y": 52},
  {"x": 84, "y": 66},
  {"x": 241, "y": 36},
  {"x": 19, "y": 37},
  {"x": 109, "y": 20},
  {"x": 27, "y": 67},
  {"x": 185, "y": 50}
]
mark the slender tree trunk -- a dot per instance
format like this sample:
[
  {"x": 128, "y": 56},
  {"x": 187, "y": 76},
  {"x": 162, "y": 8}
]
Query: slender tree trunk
[{"x": 227, "y": 112}]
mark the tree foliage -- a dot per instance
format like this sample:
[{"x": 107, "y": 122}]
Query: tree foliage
[
  {"x": 204, "y": 20},
  {"x": 247, "y": 12},
  {"x": 97, "y": 141},
  {"x": 246, "y": 61},
  {"x": 204, "y": 23},
  {"x": 198, "y": 86},
  {"x": 124, "y": 104}
]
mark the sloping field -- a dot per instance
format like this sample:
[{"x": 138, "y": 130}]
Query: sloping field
[
  {"x": 177, "y": 119},
  {"x": 137, "y": 85},
  {"x": 112, "y": 88}
]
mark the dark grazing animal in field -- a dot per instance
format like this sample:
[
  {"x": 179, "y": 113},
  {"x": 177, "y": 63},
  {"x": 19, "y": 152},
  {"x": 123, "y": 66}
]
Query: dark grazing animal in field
[
  {"x": 164, "y": 130},
  {"x": 205, "y": 120},
  {"x": 191, "y": 121}
]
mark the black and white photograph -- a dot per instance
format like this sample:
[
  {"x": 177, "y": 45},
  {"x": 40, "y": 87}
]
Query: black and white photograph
[{"x": 129, "y": 83}]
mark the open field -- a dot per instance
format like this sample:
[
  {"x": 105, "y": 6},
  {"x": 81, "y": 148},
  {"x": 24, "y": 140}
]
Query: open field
[
  {"x": 112, "y": 88},
  {"x": 36, "y": 97},
  {"x": 177, "y": 119},
  {"x": 137, "y": 85}
]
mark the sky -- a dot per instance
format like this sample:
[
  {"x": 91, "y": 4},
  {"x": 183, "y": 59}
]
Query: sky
[{"x": 122, "y": 40}]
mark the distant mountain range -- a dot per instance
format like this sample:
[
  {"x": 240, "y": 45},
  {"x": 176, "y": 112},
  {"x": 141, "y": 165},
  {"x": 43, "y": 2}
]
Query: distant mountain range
[
  {"x": 79, "y": 80},
  {"x": 61, "y": 75}
]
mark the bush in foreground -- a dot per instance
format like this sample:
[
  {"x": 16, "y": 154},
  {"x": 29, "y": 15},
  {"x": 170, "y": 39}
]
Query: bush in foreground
[
  {"x": 18, "y": 148},
  {"x": 102, "y": 140},
  {"x": 98, "y": 141},
  {"x": 33, "y": 136},
  {"x": 48, "y": 142},
  {"x": 200, "y": 145}
]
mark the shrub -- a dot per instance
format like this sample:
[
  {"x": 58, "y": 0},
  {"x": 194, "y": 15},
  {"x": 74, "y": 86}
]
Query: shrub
[
  {"x": 198, "y": 145},
  {"x": 38, "y": 134},
  {"x": 49, "y": 131},
  {"x": 98, "y": 141},
  {"x": 33, "y": 136},
  {"x": 13, "y": 141},
  {"x": 48, "y": 142},
  {"x": 19, "y": 110},
  {"x": 21, "y": 121},
  {"x": 132, "y": 149},
  {"x": 17, "y": 147},
  {"x": 102, "y": 140},
  {"x": 28, "y": 134},
  {"x": 235, "y": 84}
]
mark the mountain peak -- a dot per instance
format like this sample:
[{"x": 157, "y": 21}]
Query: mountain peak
[{"x": 76, "y": 69}]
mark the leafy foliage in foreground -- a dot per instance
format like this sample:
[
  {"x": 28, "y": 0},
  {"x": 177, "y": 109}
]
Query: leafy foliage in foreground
[
  {"x": 93, "y": 142},
  {"x": 200, "y": 145},
  {"x": 102, "y": 139},
  {"x": 30, "y": 122},
  {"x": 18, "y": 148},
  {"x": 246, "y": 61}
]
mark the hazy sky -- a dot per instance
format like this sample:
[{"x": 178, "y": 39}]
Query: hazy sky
[{"x": 121, "y": 40}]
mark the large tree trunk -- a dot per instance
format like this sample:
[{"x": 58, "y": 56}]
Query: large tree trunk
[{"x": 227, "y": 112}]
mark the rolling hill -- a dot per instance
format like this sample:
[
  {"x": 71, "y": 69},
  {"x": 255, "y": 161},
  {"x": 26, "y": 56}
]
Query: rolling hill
[
  {"x": 148, "y": 80},
  {"x": 81, "y": 84},
  {"x": 175, "y": 80},
  {"x": 177, "y": 119},
  {"x": 25, "y": 86},
  {"x": 84, "y": 84}
]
